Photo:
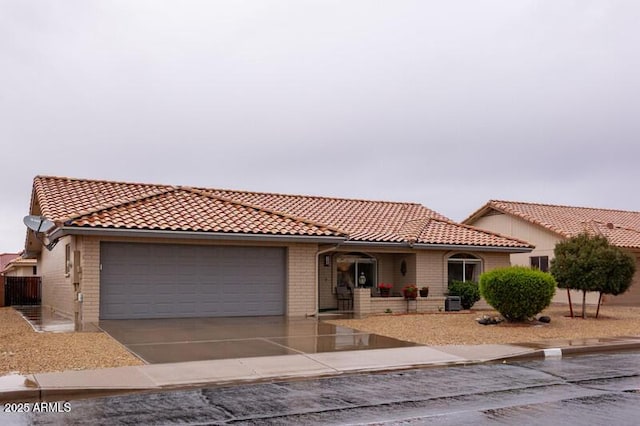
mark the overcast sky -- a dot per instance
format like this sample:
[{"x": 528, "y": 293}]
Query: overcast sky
[{"x": 445, "y": 103}]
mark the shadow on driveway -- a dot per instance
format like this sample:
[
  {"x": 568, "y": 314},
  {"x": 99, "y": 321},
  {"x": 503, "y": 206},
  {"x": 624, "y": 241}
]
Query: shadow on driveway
[{"x": 196, "y": 339}]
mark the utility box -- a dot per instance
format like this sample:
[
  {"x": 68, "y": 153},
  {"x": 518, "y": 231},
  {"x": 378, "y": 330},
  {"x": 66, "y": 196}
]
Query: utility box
[{"x": 452, "y": 303}]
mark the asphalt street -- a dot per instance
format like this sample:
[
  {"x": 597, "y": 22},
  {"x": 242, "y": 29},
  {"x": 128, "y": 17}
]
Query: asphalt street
[{"x": 589, "y": 389}]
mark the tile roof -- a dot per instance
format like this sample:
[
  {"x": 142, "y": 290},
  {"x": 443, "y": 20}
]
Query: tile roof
[
  {"x": 6, "y": 258},
  {"x": 622, "y": 228},
  {"x": 439, "y": 230},
  {"x": 181, "y": 209},
  {"x": 17, "y": 263},
  {"x": 102, "y": 204}
]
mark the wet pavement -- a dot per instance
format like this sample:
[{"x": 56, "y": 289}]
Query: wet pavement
[
  {"x": 195, "y": 339},
  {"x": 42, "y": 319},
  {"x": 591, "y": 389},
  {"x": 374, "y": 386}
]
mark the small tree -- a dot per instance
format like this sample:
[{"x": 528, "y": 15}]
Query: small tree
[
  {"x": 590, "y": 263},
  {"x": 517, "y": 292}
]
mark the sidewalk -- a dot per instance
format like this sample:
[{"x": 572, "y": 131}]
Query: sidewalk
[{"x": 86, "y": 383}]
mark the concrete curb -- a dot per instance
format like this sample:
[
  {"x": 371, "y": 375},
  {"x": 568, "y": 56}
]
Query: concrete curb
[
  {"x": 560, "y": 352},
  {"x": 69, "y": 385}
]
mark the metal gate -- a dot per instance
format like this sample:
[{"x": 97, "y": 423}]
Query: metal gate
[{"x": 22, "y": 291}]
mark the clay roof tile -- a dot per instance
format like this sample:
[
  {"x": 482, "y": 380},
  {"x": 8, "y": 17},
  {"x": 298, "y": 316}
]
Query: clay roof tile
[{"x": 94, "y": 203}]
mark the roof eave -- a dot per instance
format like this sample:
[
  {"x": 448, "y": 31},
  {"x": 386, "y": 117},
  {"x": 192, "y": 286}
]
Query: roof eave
[
  {"x": 190, "y": 235},
  {"x": 428, "y": 246},
  {"x": 478, "y": 213}
]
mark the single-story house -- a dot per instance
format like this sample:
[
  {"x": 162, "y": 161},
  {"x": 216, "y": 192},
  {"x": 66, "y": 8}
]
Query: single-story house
[
  {"x": 8, "y": 267},
  {"x": 545, "y": 225},
  {"x": 20, "y": 283},
  {"x": 131, "y": 250},
  {"x": 20, "y": 267},
  {"x": 6, "y": 258},
  {"x": 13, "y": 265}
]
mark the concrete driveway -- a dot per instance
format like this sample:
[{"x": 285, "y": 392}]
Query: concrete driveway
[{"x": 195, "y": 339}]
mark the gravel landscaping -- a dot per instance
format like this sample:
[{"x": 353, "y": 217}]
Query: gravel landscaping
[
  {"x": 22, "y": 350},
  {"x": 453, "y": 328}
]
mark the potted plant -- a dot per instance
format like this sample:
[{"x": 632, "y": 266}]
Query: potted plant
[
  {"x": 410, "y": 291},
  {"x": 385, "y": 289},
  {"x": 424, "y": 291}
]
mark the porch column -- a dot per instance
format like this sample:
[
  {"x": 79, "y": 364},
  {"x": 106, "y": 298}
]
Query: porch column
[{"x": 361, "y": 301}]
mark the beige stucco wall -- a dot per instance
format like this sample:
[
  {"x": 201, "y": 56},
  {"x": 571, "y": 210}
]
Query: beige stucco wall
[
  {"x": 57, "y": 289},
  {"x": 632, "y": 296},
  {"x": 543, "y": 240}
]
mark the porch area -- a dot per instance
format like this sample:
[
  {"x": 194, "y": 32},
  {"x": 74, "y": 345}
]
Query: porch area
[{"x": 364, "y": 304}]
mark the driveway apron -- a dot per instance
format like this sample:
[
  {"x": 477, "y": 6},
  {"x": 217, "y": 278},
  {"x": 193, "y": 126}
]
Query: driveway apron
[{"x": 195, "y": 339}]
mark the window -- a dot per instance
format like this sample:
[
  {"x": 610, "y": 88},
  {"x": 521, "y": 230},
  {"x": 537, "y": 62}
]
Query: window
[
  {"x": 357, "y": 271},
  {"x": 67, "y": 259},
  {"x": 34, "y": 270},
  {"x": 540, "y": 262},
  {"x": 464, "y": 267}
]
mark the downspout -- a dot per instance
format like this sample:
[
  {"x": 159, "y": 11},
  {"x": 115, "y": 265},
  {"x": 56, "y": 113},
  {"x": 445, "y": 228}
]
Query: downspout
[{"x": 317, "y": 281}]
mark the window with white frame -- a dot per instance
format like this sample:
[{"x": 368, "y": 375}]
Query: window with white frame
[{"x": 463, "y": 267}]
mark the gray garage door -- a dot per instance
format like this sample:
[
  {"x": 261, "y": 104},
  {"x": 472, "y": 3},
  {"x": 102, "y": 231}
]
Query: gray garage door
[{"x": 174, "y": 281}]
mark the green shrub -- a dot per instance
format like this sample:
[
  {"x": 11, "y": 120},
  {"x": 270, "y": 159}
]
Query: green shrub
[
  {"x": 518, "y": 293},
  {"x": 468, "y": 292}
]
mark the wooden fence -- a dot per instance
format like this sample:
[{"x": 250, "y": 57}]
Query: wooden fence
[{"x": 22, "y": 291}]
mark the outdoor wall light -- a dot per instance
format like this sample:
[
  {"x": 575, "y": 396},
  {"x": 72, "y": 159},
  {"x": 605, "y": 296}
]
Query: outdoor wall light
[{"x": 327, "y": 260}]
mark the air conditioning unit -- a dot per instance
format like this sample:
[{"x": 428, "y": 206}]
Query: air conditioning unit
[{"x": 452, "y": 303}]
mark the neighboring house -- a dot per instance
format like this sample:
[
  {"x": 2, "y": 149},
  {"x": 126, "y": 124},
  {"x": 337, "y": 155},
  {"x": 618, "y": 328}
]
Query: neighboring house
[
  {"x": 19, "y": 282},
  {"x": 5, "y": 258},
  {"x": 131, "y": 250},
  {"x": 20, "y": 267},
  {"x": 545, "y": 225}
]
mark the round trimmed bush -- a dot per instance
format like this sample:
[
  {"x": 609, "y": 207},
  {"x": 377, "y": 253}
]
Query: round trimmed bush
[
  {"x": 518, "y": 293},
  {"x": 468, "y": 292}
]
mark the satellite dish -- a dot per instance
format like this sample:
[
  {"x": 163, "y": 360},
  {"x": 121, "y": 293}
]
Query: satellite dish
[{"x": 38, "y": 223}]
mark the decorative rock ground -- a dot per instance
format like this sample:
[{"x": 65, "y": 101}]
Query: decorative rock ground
[{"x": 487, "y": 320}]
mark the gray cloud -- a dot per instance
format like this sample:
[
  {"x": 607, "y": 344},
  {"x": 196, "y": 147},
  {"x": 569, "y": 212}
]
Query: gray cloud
[{"x": 444, "y": 103}]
